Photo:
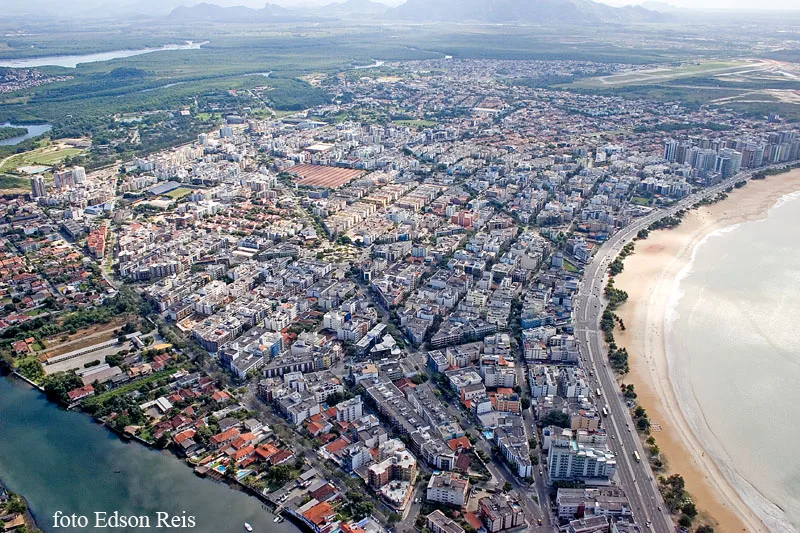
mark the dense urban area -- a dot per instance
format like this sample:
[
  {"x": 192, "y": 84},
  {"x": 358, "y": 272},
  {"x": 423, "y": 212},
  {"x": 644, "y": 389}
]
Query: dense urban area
[{"x": 375, "y": 314}]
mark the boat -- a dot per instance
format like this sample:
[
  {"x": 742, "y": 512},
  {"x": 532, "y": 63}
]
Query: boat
[
  {"x": 248, "y": 527},
  {"x": 117, "y": 471},
  {"x": 278, "y": 519}
]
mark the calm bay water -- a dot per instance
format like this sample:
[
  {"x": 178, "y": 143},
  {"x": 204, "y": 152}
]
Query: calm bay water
[
  {"x": 63, "y": 461},
  {"x": 34, "y": 130},
  {"x": 733, "y": 341},
  {"x": 75, "y": 60}
]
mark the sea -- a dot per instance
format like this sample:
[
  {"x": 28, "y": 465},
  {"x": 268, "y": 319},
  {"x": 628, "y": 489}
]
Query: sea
[
  {"x": 733, "y": 349},
  {"x": 62, "y": 461}
]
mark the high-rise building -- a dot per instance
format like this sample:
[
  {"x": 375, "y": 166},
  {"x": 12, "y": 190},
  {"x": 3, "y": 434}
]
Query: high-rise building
[
  {"x": 63, "y": 179},
  {"x": 670, "y": 149},
  {"x": 728, "y": 162},
  {"x": 571, "y": 459},
  {"x": 37, "y": 187},
  {"x": 78, "y": 175}
]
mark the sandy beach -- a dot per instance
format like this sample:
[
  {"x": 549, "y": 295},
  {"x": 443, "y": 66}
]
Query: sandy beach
[{"x": 649, "y": 278}]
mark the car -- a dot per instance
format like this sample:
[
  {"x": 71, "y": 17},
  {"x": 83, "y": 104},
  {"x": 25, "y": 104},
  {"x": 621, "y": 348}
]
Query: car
[
  {"x": 540, "y": 521},
  {"x": 541, "y": 471}
]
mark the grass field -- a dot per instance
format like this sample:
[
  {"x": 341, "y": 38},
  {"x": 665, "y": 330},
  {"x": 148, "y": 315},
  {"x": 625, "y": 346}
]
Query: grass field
[
  {"x": 47, "y": 155},
  {"x": 179, "y": 193}
]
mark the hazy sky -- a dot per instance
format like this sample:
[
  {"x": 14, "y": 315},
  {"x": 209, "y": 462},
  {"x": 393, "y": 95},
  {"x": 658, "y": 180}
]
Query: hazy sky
[
  {"x": 708, "y": 4},
  {"x": 29, "y": 6}
]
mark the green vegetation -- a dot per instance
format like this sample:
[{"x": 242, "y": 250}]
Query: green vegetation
[
  {"x": 681, "y": 126},
  {"x": 8, "y": 132},
  {"x": 665, "y": 223},
  {"x": 357, "y": 506},
  {"x": 416, "y": 123},
  {"x": 675, "y": 496},
  {"x": 616, "y": 297},
  {"x": 616, "y": 267},
  {"x": 618, "y": 357},
  {"x": 556, "y": 418},
  {"x": 126, "y": 302},
  {"x": 628, "y": 391},
  {"x": 13, "y": 182}
]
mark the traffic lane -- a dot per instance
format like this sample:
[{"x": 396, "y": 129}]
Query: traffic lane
[{"x": 642, "y": 501}]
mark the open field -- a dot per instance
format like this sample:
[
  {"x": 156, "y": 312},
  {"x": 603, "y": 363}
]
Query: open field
[
  {"x": 46, "y": 155},
  {"x": 82, "y": 338}
]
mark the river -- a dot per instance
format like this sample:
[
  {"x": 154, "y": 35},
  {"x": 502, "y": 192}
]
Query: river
[
  {"x": 63, "y": 461},
  {"x": 34, "y": 130},
  {"x": 75, "y": 60}
]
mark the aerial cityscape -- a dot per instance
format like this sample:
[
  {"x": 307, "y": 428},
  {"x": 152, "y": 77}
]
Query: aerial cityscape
[{"x": 436, "y": 266}]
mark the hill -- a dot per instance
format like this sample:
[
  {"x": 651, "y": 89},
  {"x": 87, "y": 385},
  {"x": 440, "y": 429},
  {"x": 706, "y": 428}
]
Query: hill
[{"x": 521, "y": 11}]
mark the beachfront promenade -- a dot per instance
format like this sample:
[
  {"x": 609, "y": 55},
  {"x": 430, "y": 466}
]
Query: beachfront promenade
[{"x": 635, "y": 477}]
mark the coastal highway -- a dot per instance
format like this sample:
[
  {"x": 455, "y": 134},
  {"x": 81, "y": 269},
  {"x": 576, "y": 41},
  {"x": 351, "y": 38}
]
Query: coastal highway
[{"x": 635, "y": 477}]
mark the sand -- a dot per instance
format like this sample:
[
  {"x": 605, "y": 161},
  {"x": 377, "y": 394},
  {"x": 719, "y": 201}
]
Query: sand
[{"x": 648, "y": 278}]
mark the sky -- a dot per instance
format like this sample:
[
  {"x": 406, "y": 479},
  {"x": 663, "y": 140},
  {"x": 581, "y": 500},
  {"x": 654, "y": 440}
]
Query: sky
[{"x": 29, "y": 6}]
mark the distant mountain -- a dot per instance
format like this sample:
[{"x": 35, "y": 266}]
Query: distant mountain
[
  {"x": 525, "y": 11},
  {"x": 239, "y": 14},
  {"x": 661, "y": 7},
  {"x": 353, "y": 7}
]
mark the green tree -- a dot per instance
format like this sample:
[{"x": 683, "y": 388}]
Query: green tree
[{"x": 556, "y": 418}]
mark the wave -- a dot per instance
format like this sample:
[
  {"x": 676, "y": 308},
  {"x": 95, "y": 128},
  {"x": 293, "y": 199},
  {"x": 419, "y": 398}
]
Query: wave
[
  {"x": 786, "y": 198},
  {"x": 770, "y": 513}
]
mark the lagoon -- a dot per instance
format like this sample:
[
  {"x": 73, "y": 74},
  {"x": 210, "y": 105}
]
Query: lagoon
[
  {"x": 75, "y": 60},
  {"x": 63, "y": 461},
  {"x": 34, "y": 130}
]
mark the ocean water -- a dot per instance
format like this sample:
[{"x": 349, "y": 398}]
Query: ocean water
[{"x": 733, "y": 349}]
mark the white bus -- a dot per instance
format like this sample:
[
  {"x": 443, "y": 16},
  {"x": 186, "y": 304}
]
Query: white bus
[
  {"x": 599, "y": 392},
  {"x": 636, "y": 456},
  {"x": 605, "y": 411}
]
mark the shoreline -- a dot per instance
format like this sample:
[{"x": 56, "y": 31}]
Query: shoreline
[
  {"x": 650, "y": 277},
  {"x": 229, "y": 483}
]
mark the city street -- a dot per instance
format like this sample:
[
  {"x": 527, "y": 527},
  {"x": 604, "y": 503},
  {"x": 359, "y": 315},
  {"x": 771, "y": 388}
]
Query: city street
[{"x": 635, "y": 477}]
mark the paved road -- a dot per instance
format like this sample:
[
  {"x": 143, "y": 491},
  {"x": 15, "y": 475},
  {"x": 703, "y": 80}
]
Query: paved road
[{"x": 633, "y": 476}]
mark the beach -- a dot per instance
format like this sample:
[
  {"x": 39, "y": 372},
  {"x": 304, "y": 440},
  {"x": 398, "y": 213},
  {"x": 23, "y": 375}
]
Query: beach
[{"x": 649, "y": 278}]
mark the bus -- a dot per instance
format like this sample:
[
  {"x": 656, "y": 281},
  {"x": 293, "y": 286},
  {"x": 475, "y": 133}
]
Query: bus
[
  {"x": 599, "y": 392},
  {"x": 605, "y": 411},
  {"x": 636, "y": 456}
]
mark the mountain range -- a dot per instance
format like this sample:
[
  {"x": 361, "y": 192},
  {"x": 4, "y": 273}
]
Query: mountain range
[{"x": 521, "y": 11}]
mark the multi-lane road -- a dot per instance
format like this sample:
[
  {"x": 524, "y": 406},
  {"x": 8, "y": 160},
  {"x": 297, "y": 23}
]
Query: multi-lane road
[{"x": 635, "y": 477}]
